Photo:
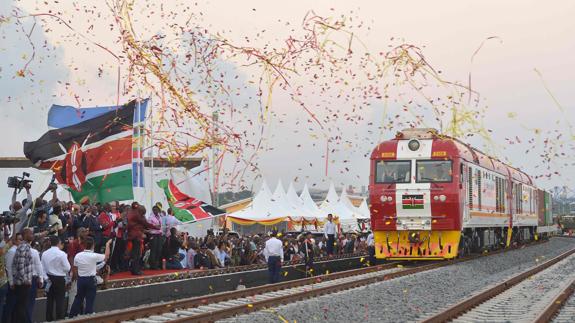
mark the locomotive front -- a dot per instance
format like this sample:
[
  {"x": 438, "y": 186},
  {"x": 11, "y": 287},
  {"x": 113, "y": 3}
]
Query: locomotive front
[{"x": 415, "y": 196}]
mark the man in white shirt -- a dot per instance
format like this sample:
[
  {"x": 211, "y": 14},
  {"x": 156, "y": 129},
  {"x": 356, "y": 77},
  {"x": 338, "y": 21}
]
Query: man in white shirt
[
  {"x": 169, "y": 221},
  {"x": 85, "y": 266},
  {"x": 37, "y": 273},
  {"x": 274, "y": 254},
  {"x": 330, "y": 230},
  {"x": 56, "y": 266},
  {"x": 371, "y": 249}
]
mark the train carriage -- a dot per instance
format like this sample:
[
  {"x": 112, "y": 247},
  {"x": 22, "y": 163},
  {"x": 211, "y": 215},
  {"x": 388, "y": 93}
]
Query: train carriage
[{"x": 435, "y": 197}]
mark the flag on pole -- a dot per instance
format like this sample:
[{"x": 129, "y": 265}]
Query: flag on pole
[
  {"x": 92, "y": 157},
  {"x": 65, "y": 116},
  {"x": 186, "y": 208}
]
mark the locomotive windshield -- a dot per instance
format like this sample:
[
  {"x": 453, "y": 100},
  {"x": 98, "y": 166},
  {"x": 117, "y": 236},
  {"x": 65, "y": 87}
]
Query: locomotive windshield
[
  {"x": 433, "y": 171},
  {"x": 393, "y": 171}
]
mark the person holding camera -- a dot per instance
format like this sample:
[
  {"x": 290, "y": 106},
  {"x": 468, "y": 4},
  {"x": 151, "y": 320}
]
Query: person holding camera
[
  {"x": 20, "y": 210},
  {"x": 41, "y": 228}
]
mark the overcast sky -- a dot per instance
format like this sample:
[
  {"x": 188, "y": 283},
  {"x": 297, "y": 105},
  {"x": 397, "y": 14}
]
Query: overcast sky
[{"x": 531, "y": 35}]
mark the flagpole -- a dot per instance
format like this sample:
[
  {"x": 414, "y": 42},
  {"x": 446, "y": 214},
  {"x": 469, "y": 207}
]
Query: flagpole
[
  {"x": 139, "y": 134},
  {"x": 152, "y": 183}
]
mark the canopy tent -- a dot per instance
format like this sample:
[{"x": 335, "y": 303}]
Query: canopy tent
[
  {"x": 271, "y": 209},
  {"x": 309, "y": 204},
  {"x": 342, "y": 209},
  {"x": 262, "y": 210},
  {"x": 363, "y": 209}
]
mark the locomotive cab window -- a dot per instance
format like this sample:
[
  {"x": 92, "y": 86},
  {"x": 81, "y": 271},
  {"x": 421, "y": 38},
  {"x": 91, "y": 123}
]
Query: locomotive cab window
[
  {"x": 433, "y": 171},
  {"x": 393, "y": 171}
]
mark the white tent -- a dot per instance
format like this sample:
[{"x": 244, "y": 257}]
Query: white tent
[
  {"x": 363, "y": 209},
  {"x": 271, "y": 209},
  {"x": 342, "y": 208},
  {"x": 331, "y": 199},
  {"x": 261, "y": 208},
  {"x": 309, "y": 204},
  {"x": 301, "y": 209}
]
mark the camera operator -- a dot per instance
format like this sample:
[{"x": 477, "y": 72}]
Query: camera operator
[
  {"x": 41, "y": 204},
  {"x": 20, "y": 209},
  {"x": 42, "y": 227}
]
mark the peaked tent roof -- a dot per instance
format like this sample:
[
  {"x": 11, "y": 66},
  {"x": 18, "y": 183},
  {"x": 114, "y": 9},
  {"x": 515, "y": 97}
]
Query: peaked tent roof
[
  {"x": 272, "y": 208},
  {"x": 364, "y": 209},
  {"x": 309, "y": 203},
  {"x": 331, "y": 197}
]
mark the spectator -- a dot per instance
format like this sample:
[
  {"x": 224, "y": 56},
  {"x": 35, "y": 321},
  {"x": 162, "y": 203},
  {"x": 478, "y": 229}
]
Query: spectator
[
  {"x": 75, "y": 245},
  {"x": 107, "y": 221},
  {"x": 307, "y": 250},
  {"x": 119, "y": 246},
  {"x": 10, "y": 305},
  {"x": 169, "y": 222},
  {"x": 55, "y": 221},
  {"x": 136, "y": 226},
  {"x": 330, "y": 230},
  {"x": 156, "y": 238},
  {"x": 56, "y": 266},
  {"x": 223, "y": 255},
  {"x": 202, "y": 260},
  {"x": 371, "y": 249},
  {"x": 21, "y": 209},
  {"x": 211, "y": 252},
  {"x": 274, "y": 256},
  {"x": 350, "y": 243},
  {"x": 74, "y": 221},
  {"x": 84, "y": 271},
  {"x": 90, "y": 222},
  {"x": 172, "y": 249},
  {"x": 192, "y": 252},
  {"x": 4, "y": 284},
  {"x": 27, "y": 275},
  {"x": 41, "y": 227}
]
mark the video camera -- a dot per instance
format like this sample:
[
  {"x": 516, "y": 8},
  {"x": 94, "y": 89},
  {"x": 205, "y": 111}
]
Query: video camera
[
  {"x": 19, "y": 182},
  {"x": 52, "y": 186},
  {"x": 8, "y": 218}
]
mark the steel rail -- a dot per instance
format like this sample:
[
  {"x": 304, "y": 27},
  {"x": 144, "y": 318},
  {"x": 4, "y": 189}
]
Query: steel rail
[
  {"x": 476, "y": 300},
  {"x": 194, "y": 302},
  {"x": 555, "y": 307},
  {"x": 154, "y": 309},
  {"x": 186, "y": 274}
]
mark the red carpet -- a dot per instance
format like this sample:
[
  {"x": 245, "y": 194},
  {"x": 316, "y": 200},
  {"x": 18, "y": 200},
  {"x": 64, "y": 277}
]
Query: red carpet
[{"x": 147, "y": 273}]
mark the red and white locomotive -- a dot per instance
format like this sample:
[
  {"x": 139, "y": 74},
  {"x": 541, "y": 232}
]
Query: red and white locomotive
[{"x": 435, "y": 197}]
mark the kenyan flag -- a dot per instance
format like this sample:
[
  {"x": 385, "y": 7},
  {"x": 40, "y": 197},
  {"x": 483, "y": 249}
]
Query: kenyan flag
[
  {"x": 93, "y": 158},
  {"x": 412, "y": 202},
  {"x": 186, "y": 208}
]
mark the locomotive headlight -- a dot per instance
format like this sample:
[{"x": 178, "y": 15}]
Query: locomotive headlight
[
  {"x": 389, "y": 198},
  {"x": 413, "y": 145},
  {"x": 442, "y": 198},
  {"x": 436, "y": 198},
  {"x": 383, "y": 198}
]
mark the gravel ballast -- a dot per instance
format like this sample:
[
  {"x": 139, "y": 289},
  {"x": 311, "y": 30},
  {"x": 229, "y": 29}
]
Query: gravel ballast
[{"x": 414, "y": 297}]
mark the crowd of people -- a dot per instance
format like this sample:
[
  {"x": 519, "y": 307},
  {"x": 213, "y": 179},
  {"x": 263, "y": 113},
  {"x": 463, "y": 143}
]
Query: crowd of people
[{"x": 67, "y": 247}]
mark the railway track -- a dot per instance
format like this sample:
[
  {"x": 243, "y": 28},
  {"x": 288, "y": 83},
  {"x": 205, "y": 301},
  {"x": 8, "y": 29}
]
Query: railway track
[
  {"x": 527, "y": 297},
  {"x": 223, "y": 305},
  {"x": 562, "y": 308},
  {"x": 185, "y": 274}
]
